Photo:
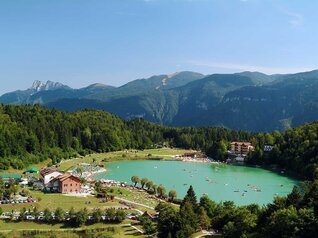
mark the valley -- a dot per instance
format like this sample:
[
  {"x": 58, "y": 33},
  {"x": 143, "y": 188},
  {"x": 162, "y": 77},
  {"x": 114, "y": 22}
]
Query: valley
[{"x": 121, "y": 165}]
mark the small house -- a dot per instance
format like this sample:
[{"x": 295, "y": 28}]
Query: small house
[
  {"x": 268, "y": 148},
  {"x": 153, "y": 218},
  {"x": 147, "y": 214}
]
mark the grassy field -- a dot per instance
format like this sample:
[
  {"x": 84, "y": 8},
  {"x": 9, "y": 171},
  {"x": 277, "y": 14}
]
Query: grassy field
[
  {"x": 164, "y": 153},
  {"x": 137, "y": 196},
  {"x": 20, "y": 171},
  {"x": 104, "y": 158},
  {"x": 22, "y": 229},
  {"x": 54, "y": 200}
]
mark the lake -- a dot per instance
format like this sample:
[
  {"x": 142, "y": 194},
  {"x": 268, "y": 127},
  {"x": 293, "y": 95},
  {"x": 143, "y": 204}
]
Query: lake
[{"x": 243, "y": 185}]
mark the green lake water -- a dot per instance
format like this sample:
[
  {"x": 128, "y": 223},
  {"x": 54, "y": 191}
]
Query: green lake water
[{"x": 243, "y": 185}]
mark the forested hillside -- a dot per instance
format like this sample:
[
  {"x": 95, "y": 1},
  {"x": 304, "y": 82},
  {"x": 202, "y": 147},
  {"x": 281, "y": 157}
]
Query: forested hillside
[
  {"x": 30, "y": 134},
  {"x": 295, "y": 150}
]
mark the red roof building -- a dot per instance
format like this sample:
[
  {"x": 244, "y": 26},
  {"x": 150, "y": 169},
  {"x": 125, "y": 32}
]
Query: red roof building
[{"x": 66, "y": 183}]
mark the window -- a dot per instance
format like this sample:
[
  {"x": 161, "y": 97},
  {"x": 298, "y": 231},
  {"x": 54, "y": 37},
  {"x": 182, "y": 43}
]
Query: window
[
  {"x": 71, "y": 184},
  {"x": 71, "y": 190},
  {"x": 65, "y": 184}
]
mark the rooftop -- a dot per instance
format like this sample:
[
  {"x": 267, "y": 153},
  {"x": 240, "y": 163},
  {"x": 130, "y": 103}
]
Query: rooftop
[
  {"x": 47, "y": 170},
  {"x": 13, "y": 176},
  {"x": 66, "y": 176},
  {"x": 240, "y": 143}
]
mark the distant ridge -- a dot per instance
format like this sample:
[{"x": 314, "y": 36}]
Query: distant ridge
[{"x": 245, "y": 101}]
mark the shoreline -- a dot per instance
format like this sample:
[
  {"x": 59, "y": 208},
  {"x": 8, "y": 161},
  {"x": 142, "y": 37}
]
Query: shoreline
[{"x": 92, "y": 175}]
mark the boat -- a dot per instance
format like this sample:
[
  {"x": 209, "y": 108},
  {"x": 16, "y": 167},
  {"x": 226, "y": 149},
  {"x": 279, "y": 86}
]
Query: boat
[{"x": 236, "y": 191}]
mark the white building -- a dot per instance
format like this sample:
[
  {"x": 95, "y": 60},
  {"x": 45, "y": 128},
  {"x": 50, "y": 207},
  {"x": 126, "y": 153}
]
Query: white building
[{"x": 48, "y": 174}]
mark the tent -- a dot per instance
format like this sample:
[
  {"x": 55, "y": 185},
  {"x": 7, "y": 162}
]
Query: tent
[{"x": 31, "y": 170}]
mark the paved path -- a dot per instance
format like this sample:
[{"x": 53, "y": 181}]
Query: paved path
[
  {"x": 206, "y": 233},
  {"x": 136, "y": 228},
  {"x": 135, "y": 203}
]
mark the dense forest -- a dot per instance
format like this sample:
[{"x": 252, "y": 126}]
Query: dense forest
[
  {"x": 30, "y": 134},
  {"x": 296, "y": 150}
]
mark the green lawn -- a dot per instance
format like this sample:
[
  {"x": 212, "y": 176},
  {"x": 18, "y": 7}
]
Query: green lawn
[
  {"x": 102, "y": 158},
  {"x": 17, "y": 229},
  {"x": 20, "y": 171},
  {"x": 54, "y": 200},
  {"x": 164, "y": 153},
  {"x": 138, "y": 197}
]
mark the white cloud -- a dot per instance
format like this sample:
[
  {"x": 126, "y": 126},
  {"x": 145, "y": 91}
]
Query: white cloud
[
  {"x": 295, "y": 19},
  {"x": 234, "y": 67}
]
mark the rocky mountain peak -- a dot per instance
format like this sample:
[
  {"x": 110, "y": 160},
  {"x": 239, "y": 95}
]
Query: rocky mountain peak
[
  {"x": 49, "y": 85},
  {"x": 37, "y": 85}
]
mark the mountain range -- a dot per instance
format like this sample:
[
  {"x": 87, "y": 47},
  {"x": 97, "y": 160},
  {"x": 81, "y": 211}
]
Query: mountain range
[{"x": 250, "y": 101}]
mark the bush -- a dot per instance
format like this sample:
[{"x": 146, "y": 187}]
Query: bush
[
  {"x": 104, "y": 235},
  {"x": 177, "y": 201}
]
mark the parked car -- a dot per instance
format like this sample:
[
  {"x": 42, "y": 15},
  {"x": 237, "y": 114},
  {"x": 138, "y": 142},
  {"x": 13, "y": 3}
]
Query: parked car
[{"x": 30, "y": 218}]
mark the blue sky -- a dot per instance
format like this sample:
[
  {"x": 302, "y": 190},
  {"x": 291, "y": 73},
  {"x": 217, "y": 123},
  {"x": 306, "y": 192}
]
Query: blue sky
[{"x": 80, "y": 42}]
